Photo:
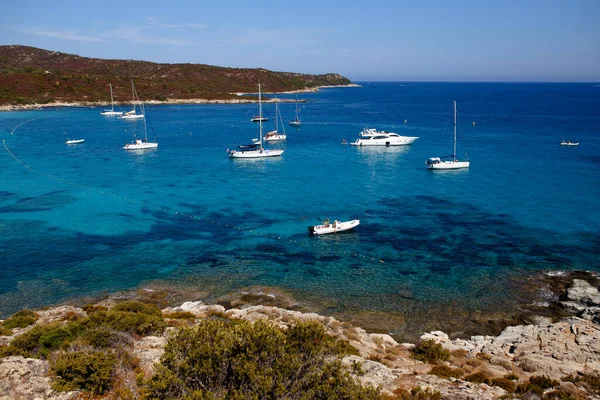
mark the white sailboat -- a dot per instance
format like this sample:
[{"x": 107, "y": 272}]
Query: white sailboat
[
  {"x": 132, "y": 114},
  {"x": 112, "y": 105},
  {"x": 275, "y": 135},
  {"x": 296, "y": 121},
  {"x": 448, "y": 162},
  {"x": 141, "y": 144},
  {"x": 256, "y": 149}
]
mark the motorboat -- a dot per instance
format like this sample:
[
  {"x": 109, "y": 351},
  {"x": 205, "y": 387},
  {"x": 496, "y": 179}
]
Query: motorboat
[
  {"x": 74, "y": 141},
  {"x": 258, "y": 118},
  {"x": 384, "y": 139},
  {"x": 568, "y": 143},
  {"x": 448, "y": 162},
  {"x": 334, "y": 227}
]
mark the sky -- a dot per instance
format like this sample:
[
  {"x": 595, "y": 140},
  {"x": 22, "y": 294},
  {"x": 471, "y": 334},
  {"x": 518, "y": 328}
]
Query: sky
[{"x": 377, "y": 40}]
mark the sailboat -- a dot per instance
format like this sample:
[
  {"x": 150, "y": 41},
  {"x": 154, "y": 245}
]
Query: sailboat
[
  {"x": 141, "y": 144},
  {"x": 449, "y": 162},
  {"x": 296, "y": 121},
  {"x": 275, "y": 136},
  {"x": 132, "y": 114},
  {"x": 255, "y": 149},
  {"x": 112, "y": 105}
]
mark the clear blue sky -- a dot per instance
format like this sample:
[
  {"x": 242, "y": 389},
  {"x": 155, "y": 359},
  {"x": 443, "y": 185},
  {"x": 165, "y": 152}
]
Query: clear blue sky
[{"x": 492, "y": 40}]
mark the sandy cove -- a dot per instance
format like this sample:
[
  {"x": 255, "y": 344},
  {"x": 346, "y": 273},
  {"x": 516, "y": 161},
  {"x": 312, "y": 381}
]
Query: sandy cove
[{"x": 552, "y": 348}]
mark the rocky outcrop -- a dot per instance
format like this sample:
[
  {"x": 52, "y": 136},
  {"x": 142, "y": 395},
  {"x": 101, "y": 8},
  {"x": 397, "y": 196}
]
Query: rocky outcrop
[
  {"x": 27, "y": 378},
  {"x": 557, "y": 349}
]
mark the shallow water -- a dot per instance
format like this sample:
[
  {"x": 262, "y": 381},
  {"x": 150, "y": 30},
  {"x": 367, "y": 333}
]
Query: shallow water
[{"x": 92, "y": 218}]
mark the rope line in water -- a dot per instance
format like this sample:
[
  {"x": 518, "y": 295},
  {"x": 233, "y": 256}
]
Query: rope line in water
[{"x": 160, "y": 208}]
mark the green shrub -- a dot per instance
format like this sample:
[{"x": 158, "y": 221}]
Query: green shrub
[
  {"x": 443, "y": 371},
  {"x": 505, "y": 384},
  {"x": 512, "y": 376},
  {"x": 590, "y": 382},
  {"x": 543, "y": 381},
  {"x": 137, "y": 307},
  {"x": 430, "y": 351},
  {"x": 416, "y": 393},
  {"x": 181, "y": 315},
  {"x": 40, "y": 340},
  {"x": 5, "y": 331},
  {"x": 90, "y": 371},
  {"x": 100, "y": 337},
  {"x": 125, "y": 321},
  {"x": 91, "y": 308},
  {"x": 21, "y": 319},
  {"x": 241, "y": 360},
  {"x": 477, "y": 377}
]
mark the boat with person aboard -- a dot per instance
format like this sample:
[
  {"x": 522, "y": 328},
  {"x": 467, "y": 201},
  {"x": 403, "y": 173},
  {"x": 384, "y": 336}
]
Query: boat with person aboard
[{"x": 333, "y": 227}]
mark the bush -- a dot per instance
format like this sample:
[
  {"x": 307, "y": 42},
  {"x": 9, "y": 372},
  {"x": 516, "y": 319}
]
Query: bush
[
  {"x": 590, "y": 382},
  {"x": 543, "y": 381},
  {"x": 443, "y": 371},
  {"x": 137, "y": 307},
  {"x": 238, "y": 359},
  {"x": 90, "y": 371},
  {"x": 505, "y": 384},
  {"x": 416, "y": 393},
  {"x": 125, "y": 321},
  {"x": 21, "y": 319},
  {"x": 430, "y": 351},
  {"x": 478, "y": 377},
  {"x": 511, "y": 376},
  {"x": 42, "y": 339},
  {"x": 181, "y": 315}
]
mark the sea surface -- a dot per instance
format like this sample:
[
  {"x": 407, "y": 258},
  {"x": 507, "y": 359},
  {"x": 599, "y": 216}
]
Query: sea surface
[{"x": 89, "y": 219}]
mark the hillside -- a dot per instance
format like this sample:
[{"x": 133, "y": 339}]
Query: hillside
[{"x": 30, "y": 75}]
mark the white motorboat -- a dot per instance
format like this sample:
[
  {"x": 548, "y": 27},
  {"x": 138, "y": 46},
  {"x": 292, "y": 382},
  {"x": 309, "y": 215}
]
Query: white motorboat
[
  {"x": 384, "y": 139},
  {"x": 256, "y": 149},
  {"x": 133, "y": 114},
  {"x": 448, "y": 162},
  {"x": 256, "y": 118},
  {"x": 568, "y": 143},
  {"x": 112, "y": 111},
  {"x": 334, "y": 227},
  {"x": 74, "y": 141},
  {"x": 141, "y": 144},
  {"x": 275, "y": 135}
]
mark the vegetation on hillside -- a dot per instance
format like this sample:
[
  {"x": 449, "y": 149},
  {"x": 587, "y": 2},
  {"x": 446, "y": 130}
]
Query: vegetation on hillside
[{"x": 30, "y": 75}]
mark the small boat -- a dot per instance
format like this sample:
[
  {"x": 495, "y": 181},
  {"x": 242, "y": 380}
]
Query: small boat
[
  {"x": 257, "y": 118},
  {"x": 449, "y": 162},
  {"x": 275, "y": 135},
  {"x": 296, "y": 121},
  {"x": 384, "y": 139},
  {"x": 334, "y": 227},
  {"x": 256, "y": 149},
  {"x": 112, "y": 105},
  {"x": 141, "y": 144},
  {"x": 568, "y": 143},
  {"x": 74, "y": 141},
  {"x": 132, "y": 114}
]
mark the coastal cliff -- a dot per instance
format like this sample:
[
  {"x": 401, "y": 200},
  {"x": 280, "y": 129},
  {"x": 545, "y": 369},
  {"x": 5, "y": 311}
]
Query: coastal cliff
[
  {"x": 30, "y": 75},
  {"x": 549, "y": 359}
]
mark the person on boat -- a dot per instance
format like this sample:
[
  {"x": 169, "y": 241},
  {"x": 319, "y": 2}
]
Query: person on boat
[{"x": 326, "y": 222}]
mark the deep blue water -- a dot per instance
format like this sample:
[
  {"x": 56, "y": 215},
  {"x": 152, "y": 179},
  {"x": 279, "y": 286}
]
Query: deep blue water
[{"x": 93, "y": 218}]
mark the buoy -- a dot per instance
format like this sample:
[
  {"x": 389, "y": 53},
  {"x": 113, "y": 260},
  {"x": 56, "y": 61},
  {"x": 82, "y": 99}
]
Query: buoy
[
  {"x": 473, "y": 122},
  {"x": 404, "y": 121}
]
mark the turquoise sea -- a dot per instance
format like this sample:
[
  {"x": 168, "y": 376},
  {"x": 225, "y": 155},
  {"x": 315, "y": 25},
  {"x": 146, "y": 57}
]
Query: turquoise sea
[{"x": 89, "y": 219}]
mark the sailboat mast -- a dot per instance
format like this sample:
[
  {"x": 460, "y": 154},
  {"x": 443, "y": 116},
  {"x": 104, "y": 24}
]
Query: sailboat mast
[
  {"x": 260, "y": 116},
  {"x": 112, "y": 102},
  {"x": 455, "y": 130}
]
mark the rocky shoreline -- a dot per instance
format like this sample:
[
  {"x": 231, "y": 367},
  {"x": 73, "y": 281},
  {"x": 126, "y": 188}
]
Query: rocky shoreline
[
  {"x": 91, "y": 104},
  {"x": 557, "y": 348}
]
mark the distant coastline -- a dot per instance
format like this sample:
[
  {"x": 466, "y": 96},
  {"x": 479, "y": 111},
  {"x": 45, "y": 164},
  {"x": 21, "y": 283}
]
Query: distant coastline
[{"x": 36, "y": 106}]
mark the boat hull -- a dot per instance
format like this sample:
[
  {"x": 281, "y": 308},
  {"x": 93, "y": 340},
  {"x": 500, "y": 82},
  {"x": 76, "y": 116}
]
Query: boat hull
[
  {"x": 134, "y": 116},
  {"x": 333, "y": 228},
  {"x": 569, "y": 144},
  {"x": 75, "y": 141},
  {"x": 111, "y": 113},
  {"x": 450, "y": 165},
  {"x": 397, "y": 141},
  {"x": 255, "y": 153},
  {"x": 140, "y": 146}
]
